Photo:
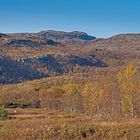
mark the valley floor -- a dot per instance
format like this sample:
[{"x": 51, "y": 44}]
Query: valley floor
[{"x": 42, "y": 124}]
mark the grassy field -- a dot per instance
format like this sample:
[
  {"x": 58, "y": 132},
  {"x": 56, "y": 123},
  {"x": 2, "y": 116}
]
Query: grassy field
[{"x": 42, "y": 124}]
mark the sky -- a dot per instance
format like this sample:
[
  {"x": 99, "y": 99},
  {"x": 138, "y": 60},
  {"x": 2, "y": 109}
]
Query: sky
[{"x": 101, "y": 18}]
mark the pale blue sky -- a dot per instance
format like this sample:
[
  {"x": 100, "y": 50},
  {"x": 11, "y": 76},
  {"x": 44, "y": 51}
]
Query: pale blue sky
[{"x": 102, "y": 18}]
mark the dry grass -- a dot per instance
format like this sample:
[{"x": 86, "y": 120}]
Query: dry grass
[{"x": 42, "y": 124}]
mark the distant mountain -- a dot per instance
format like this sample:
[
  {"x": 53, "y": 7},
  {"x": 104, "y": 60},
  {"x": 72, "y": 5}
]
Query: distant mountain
[
  {"x": 28, "y": 41},
  {"x": 53, "y": 38},
  {"x": 119, "y": 40},
  {"x": 59, "y": 35},
  {"x": 31, "y": 43},
  {"x": 126, "y": 37}
]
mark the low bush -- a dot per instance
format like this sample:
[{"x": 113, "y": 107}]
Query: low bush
[{"x": 3, "y": 113}]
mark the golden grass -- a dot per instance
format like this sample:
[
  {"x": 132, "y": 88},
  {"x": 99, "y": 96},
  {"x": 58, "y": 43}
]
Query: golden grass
[{"x": 42, "y": 124}]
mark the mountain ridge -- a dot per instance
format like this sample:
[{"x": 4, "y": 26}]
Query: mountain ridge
[{"x": 26, "y": 53}]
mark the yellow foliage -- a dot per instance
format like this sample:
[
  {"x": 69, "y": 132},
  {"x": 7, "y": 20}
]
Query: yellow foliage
[
  {"x": 130, "y": 70},
  {"x": 68, "y": 88},
  {"x": 95, "y": 95},
  {"x": 129, "y": 84},
  {"x": 56, "y": 91},
  {"x": 87, "y": 89}
]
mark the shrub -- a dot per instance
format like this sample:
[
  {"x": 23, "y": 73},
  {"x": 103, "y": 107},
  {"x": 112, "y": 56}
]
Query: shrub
[{"x": 3, "y": 113}]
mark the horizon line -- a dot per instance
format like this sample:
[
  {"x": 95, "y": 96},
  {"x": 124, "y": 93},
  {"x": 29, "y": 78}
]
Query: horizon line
[{"x": 68, "y": 31}]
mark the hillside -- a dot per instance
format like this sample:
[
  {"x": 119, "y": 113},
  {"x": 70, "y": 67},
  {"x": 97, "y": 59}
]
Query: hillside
[
  {"x": 64, "y": 38},
  {"x": 46, "y": 54},
  {"x": 122, "y": 40},
  {"x": 60, "y": 85},
  {"x": 13, "y": 71}
]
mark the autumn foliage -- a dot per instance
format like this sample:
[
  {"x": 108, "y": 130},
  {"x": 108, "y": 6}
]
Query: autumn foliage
[{"x": 108, "y": 96}]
